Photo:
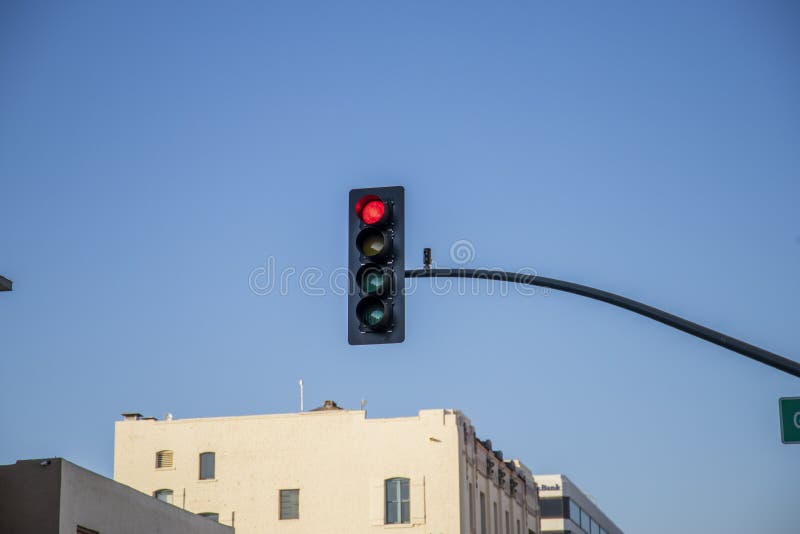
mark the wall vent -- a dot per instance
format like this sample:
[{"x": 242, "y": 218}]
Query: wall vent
[{"x": 164, "y": 459}]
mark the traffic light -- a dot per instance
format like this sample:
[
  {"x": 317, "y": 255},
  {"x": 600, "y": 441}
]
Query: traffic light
[{"x": 375, "y": 304}]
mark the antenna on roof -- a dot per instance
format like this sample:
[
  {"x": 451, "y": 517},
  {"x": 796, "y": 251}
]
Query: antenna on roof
[{"x": 301, "y": 394}]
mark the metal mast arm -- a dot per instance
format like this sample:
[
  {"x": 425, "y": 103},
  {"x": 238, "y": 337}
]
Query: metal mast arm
[{"x": 751, "y": 351}]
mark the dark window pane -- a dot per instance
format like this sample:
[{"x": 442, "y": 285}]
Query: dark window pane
[
  {"x": 164, "y": 495},
  {"x": 290, "y": 504},
  {"x": 471, "y": 506},
  {"x": 483, "y": 513},
  {"x": 206, "y": 466},
  {"x": 397, "y": 501},
  {"x": 553, "y": 507},
  {"x": 574, "y": 512}
]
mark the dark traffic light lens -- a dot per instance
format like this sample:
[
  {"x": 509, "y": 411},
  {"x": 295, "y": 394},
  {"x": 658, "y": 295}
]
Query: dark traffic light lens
[
  {"x": 374, "y": 243},
  {"x": 374, "y": 279},
  {"x": 374, "y": 313},
  {"x": 373, "y": 282}
]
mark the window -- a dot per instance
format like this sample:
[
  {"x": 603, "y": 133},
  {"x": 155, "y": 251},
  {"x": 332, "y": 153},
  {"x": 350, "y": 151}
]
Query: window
[
  {"x": 519, "y": 531},
  {"x": 84, "y": 530},
  {"x": 207, "y": 465},
  {"x": 471, "y": 507},
  {"x": 483, "y": 514},
  {"x": 397, "y": 502},
  {"x": 508, "y": 524},
  {"x": 574, "y": 512},
  {"x": 210, "y": 515},
  {"x": 603, "y": 531},
  {"x": 594, "y": 528},
  {"x": 553, "y": 507},
  {"x": 164, "y": 460},
  {"x": 290, "y": 504},
  {"x": 164, "y": 495},
  {"x": 585, "y": 520},
  {"x": 496, "y": 520}
]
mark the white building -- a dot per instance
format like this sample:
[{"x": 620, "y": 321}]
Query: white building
[
  {"x": 566, "y": 509},
  {"x": 330, "y": 471}
]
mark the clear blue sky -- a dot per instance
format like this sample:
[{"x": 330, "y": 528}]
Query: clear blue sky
[{"x": 153, "y": 155}]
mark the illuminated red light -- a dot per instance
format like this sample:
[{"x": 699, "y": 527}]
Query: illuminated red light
[
  {"x": 373, "y": 212},
  {"x": 370, "y": 209}
]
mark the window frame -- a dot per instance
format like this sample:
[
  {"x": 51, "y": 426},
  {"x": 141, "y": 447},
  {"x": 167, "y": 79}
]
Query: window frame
[
  {"x": 164, "y": 491},
  {"x": 213, "y": 456},
  {"x": 585, "y": 523},
  {"x": 397, "y": 487},
  {"x": 483, "y": 513},
  {"x": 289, "y": 491},
  {"x": 471, "y": 506},
  {"x": 552, "y": 508}
]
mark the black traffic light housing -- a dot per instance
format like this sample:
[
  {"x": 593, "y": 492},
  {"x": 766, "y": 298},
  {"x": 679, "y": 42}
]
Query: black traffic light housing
[{"x": 376, "y": 263}]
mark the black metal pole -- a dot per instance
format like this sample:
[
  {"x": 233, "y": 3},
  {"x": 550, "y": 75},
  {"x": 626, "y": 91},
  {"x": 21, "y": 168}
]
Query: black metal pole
[{"x": 751, "y": 351}]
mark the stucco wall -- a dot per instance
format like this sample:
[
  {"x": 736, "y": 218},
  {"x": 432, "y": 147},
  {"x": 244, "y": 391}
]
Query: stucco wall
[
  {"x": 521, "y": 503},
  {"x": 338, "y": 460}
]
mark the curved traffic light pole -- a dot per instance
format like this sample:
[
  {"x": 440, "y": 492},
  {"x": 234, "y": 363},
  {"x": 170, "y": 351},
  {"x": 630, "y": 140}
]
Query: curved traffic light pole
[{"x": 764, "y": 356}]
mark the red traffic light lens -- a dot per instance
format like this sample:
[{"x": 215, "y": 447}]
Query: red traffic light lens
[
  {"x": 373, "y": 212},
  {"x": 371, "y": 209}
]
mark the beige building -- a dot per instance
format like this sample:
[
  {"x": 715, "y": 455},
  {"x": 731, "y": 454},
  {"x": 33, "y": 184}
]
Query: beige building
[
  {"x": 54, "y": 496},
  {"x": 330, "y": 471},
  {"x": 567, "y": 509}
]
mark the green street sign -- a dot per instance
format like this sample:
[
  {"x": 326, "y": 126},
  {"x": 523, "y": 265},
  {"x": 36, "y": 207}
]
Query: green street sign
[{"x": 790, "y": 419}]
